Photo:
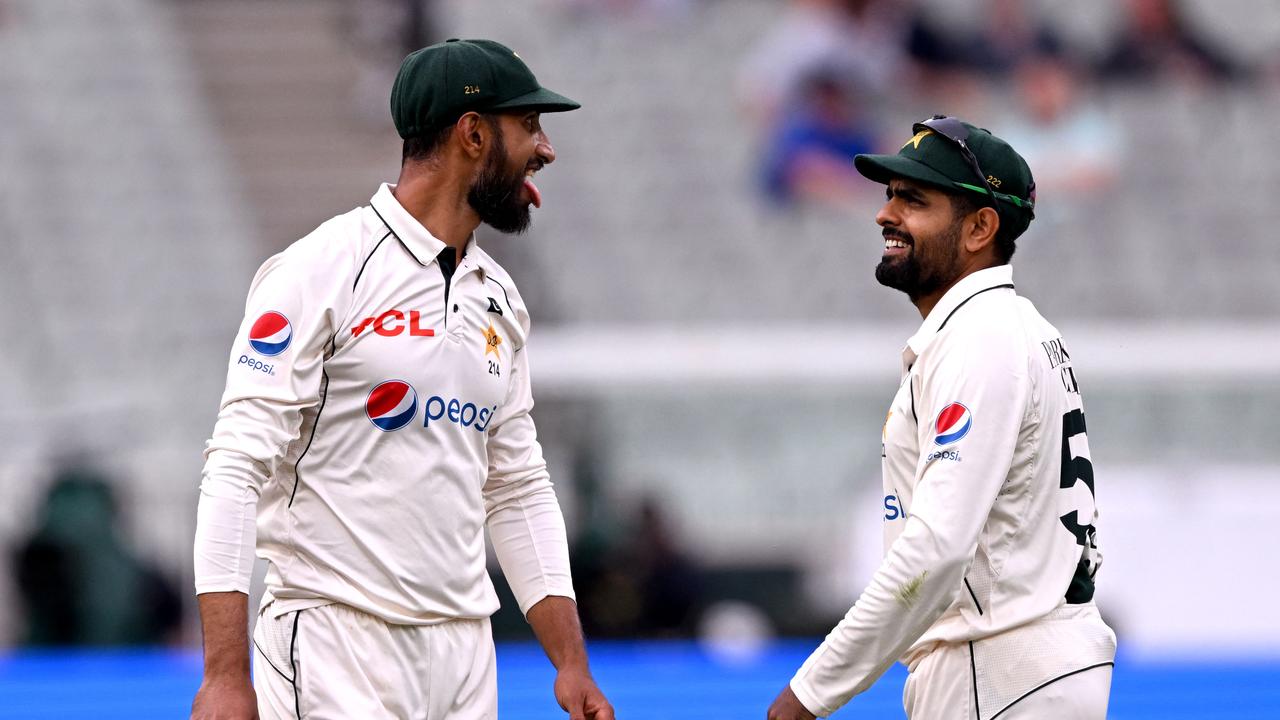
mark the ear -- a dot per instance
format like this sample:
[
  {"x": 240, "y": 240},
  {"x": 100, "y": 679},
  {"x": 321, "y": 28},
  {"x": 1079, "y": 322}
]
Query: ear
[
  {"x": 980, "y": 230},
  {"x": 473, "y": 134}
]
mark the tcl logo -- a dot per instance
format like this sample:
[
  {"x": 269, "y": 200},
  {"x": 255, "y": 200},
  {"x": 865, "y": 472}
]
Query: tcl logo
[{"x": 392, "y": 323}]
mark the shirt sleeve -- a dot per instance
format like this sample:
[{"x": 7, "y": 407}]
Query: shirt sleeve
[
  {"x": 523, "y": 515},
  {"x": 275, "y": 374},
  {"x": 984, "y": 374}
]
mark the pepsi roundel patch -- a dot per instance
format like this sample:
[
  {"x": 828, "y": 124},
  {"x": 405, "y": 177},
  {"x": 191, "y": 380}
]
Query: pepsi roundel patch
[
  {"x": 391, "y": 405},
  {"x": 270, "y": 334},
  {"x": 953, "y": 423}
]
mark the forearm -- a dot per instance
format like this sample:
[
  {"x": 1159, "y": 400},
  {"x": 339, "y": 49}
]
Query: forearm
[
  {"x": 224, "y": 622},
  {"x": 529, "y": 539},
  {"x": 226, "y": 527},
  {"x": 554, "y": 620}
]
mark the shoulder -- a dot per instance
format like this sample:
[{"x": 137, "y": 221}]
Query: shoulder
[
  {"x": 989, "y": 331},
  {"x": 329, "y": 255}
]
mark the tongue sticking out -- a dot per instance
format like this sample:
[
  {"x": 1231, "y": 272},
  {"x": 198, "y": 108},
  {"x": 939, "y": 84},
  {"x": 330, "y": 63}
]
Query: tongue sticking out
[{"x": 534, "y": 195}]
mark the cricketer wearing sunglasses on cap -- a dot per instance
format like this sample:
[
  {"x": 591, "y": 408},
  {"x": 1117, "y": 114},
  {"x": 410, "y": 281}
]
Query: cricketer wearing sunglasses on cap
[
  {"x": 377, "y": 422},
  {"x": 986, "y": 588}
]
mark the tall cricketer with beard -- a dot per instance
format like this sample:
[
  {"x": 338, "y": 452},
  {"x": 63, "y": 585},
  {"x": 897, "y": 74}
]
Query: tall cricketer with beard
[
  {"x": 986, "y": 588},
  {"x": 376, "y": 422}
]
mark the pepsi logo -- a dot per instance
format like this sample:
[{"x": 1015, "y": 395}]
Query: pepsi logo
[
  {"x": 270, "y": 334},
  {"x": 391, "y": 405},
  {"x": 953, "y": 423}
]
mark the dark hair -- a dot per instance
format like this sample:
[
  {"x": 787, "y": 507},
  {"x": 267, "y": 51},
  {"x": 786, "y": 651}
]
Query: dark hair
[
  {"x": 963, "y": 203},
  {"x": 424, "y": 147}
]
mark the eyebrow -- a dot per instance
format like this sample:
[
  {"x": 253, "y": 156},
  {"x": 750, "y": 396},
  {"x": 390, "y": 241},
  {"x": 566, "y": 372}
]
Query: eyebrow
[{"x": 903, "y": 191}]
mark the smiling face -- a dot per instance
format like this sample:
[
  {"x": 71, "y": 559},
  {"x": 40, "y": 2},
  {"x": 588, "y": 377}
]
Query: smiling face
[
  {"x": 922, "y": 240},
  {"x": 503, "y": 188}
]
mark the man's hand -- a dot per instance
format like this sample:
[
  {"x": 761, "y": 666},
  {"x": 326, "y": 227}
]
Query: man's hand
[
  {"x": 225, "y": 700},
  {"x": 577, "y": 693},
  {"x": 787, "y": 707},
  {"x": 555, "y": 622}
]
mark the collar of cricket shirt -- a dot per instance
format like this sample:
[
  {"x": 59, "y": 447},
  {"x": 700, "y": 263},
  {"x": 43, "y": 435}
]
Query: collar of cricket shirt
[
  {"x": 419, "y": 241},
  {"x": 1000, "y": 276}
]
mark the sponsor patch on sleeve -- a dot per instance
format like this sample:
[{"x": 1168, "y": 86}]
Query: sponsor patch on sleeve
[
  {"x": 953, "y": 423},
  {"x": 271, "y": 334}
]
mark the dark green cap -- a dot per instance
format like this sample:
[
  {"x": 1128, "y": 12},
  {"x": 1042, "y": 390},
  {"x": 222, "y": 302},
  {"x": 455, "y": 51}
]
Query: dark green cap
[
  {"x": 935, "y": 160},
  {"x": 438, "y": 84}
]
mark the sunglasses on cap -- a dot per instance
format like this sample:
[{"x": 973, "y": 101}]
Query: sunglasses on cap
[{"x": 955, "y": 131}]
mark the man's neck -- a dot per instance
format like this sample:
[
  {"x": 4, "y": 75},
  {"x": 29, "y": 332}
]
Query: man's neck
[
  {"x": 439, "y": 202},
  {"x": 927, "y": 303}
]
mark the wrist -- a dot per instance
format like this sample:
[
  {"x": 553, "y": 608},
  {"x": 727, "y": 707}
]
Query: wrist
[
  {"x": 574, "y": 665},
  {"x": 219, "y": 670}
]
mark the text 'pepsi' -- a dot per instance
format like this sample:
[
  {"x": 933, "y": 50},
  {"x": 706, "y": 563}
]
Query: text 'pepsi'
[{"x": 257, "y": 365}]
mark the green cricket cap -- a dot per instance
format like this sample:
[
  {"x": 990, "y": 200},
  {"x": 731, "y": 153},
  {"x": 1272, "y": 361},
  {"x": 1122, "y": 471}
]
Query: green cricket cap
[
  {"x": 936, "y": 160},
  {"x": 440, "y": 83}
]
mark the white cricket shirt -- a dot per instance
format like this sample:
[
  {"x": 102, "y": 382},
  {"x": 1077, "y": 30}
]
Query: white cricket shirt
[
  {"x": 376, "y": 418},
  {"x": 988, "y": 510}
]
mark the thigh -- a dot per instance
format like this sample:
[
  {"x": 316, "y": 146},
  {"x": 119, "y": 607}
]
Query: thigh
[
  {"x": 1079, "y": 696},
  {"x": 464, "y": 676},
  {"x": 346, "y": 666},
  {"x": 941, "y": 686}
]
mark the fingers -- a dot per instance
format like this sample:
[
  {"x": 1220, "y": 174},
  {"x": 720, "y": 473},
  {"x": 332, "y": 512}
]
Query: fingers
[{"x": 600, "y": 710}]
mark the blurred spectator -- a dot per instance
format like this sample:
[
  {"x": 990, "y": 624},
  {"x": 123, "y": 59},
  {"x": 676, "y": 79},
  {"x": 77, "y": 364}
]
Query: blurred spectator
[
  {"x": 1071, "y": 146},
  {"x": 627, "y": 7},
  {"x": 859, "y": 40},
  {"x": 639, "y": 583},
  {"x": 810, "y": 155},
  {"x": 1158, "y": 41},
  {"x": 79, "y": 583},
  {"x": 1008, "y": 34},
  {"x": 671, "y": 585}
]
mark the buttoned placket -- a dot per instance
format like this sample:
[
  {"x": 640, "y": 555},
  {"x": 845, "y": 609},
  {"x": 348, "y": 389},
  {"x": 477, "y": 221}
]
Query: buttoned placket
[{"x": 454, "y": 330}]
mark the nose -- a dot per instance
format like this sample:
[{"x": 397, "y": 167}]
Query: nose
[
  {"x": 544, "y": 150},
  {"x": 888, "y": 216}
]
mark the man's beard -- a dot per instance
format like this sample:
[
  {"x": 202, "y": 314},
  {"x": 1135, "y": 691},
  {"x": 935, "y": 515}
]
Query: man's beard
[
  {"x": 495, "y": 195},
  {"x": 926, "y": 268}
]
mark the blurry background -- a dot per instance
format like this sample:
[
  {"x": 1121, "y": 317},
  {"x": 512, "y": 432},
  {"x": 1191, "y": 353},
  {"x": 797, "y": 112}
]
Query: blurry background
[{"x": 712, "y": 357}]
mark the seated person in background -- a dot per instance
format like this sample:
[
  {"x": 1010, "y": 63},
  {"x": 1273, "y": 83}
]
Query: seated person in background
[
  {"x": 809, "y": 153},
  {"x": 1158, "y": 42},
  {"x": 1062, "y": 131},
  {"x": 859, "y": 41},
  {"x": 80, "y": 583}
]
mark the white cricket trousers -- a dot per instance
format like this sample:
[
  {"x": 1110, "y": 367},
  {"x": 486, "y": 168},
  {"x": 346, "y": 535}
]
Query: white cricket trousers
[
  {"x": 1058, "y": 668},
  {"x": 336, "y": 663}
]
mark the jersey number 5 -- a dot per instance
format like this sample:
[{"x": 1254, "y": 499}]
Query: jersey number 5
[{"x": 1077, "y": 468}]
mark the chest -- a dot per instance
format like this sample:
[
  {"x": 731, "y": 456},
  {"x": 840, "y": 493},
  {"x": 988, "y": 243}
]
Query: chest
[{"x": 450, "y": 341}]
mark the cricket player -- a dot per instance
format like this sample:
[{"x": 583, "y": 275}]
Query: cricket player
[
  {"x": 986, "y": 588},
  {"x": 376, "y": 422}
]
